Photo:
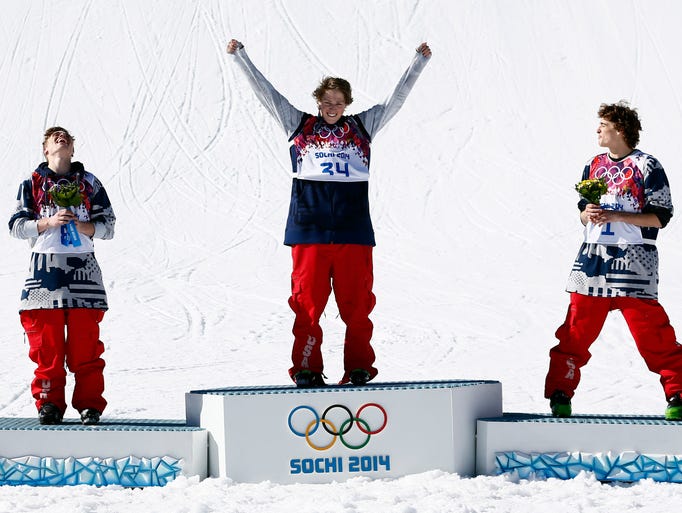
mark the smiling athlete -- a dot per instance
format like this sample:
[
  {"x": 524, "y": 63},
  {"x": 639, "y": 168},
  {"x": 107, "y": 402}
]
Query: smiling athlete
[
  {"x": 329, "y": 227},
  {"x": 64, "y": 299}
]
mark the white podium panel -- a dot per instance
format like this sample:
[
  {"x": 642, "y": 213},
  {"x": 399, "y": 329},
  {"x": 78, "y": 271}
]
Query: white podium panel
[
  {"x": 287, "y": 435},
  {"x": 129, "y": 452},
  {"x": 613, "y": 447}
]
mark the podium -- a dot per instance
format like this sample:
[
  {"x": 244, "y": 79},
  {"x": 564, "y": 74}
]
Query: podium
[
  {"x": 613, "y": 447},
  {"x": 285, "y": 434},
  {"x": 130, "y": 452}
]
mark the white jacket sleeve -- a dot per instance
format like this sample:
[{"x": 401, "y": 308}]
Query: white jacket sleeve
[
  {"x": 276, "y": 104},
  {"x": 23, "y": 223},
  {"x": 376, "y": 117}
]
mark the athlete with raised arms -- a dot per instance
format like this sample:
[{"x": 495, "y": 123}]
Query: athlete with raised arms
[{"x": 329, "y": 227}]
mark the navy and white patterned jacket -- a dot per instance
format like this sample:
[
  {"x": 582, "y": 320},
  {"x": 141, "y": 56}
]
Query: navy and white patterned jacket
[{"x": 329, "y": 194}]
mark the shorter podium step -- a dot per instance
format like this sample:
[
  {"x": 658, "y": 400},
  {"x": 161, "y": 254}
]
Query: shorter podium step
[
  {"x": 285, "y": 434},
  {"x": 126, "y": 452},
  {"x": 613, "y": 447}
]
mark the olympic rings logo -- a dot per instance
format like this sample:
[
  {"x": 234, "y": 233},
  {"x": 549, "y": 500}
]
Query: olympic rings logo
[
  {"x": 324, "y": 131},
  {"x": 312, "y": 426},
  {"x": 62, "y": 181},
  {"x": 615, "y": 174}
]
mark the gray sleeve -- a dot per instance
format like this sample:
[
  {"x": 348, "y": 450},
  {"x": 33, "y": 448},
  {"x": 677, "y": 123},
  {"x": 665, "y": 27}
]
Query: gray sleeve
[
  {"x": 23, "y": 223},
  {"x": 104, "y": 228},
  {"x": 24, "y": 228},
  {"x": 276, "y": 104},
  {"x": 101, "y": 212},
  {"x": 376, "y": 117},
  {"x": 103, "y": 231}
]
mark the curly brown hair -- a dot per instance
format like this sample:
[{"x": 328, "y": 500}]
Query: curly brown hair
[
  {"x": 339, "y": 84},
  {"x": 48, "y": 133},
  {"x": 624, "y": 118}
]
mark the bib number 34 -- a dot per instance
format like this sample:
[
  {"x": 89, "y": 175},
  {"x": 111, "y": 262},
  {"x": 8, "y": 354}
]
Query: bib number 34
[{"x": 335, "y": 168}]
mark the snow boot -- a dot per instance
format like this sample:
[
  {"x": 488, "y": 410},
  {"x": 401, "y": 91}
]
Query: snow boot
[
  {"x": 359, "y": 377},
  {"x": 674, "y": 409},
  {"x": 49, "y": 414},
  {"x": 309, "y": 379},
  {"x": 560, "y": 404},
  {"x": 90, "y": 416}
]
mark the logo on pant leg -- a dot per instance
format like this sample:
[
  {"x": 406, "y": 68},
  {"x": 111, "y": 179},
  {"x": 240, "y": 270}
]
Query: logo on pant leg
[
  {"x": 45, "y": 388},
  {"x": 307, "y": 351},
  {"x": 571, "y": 369}
]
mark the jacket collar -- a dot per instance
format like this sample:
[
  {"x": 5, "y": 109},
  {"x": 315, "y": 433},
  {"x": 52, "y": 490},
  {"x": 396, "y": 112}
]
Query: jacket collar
[{"x": 76, "y": 168}]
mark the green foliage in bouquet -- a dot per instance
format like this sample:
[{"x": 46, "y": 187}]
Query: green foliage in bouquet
[
  {"x": 66, "y": 195},
  {"x": 592, "y": 189}
]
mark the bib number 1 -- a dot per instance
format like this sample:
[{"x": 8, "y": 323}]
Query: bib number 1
[{"x": 607, "y": 230}]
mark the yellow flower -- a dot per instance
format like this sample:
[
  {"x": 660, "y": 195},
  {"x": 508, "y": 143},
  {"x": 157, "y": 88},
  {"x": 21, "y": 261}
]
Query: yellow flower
[{"x": 592, "y": 189}]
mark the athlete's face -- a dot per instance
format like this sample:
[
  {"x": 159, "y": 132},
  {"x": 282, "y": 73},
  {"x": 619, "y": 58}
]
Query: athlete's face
[
  {"x": 332, "y": 105},
  {"x": 607, "y": 135},
  {"x": 58, "y": 144}
]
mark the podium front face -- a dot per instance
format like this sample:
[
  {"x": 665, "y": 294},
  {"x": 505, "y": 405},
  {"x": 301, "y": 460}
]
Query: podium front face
[
  {"x": 122, "y": 452},
  {"x": 612, "y": 447},
  {"x": 289, "y": 435}
]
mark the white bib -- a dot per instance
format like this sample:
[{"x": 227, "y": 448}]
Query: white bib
[
  {"x": 613, "y": 233},
  {"x": 333, "y": 164}
]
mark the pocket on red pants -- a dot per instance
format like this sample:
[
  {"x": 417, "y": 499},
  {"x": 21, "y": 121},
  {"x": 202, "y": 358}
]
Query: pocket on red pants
[
  {"x": 295, "y": 291},
  {"x": 33, "y": 325}
]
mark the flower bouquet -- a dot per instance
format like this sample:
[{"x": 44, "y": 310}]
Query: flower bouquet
[
  {"x": 67, "y": 195},
  {"x": 592, "y": 189}
]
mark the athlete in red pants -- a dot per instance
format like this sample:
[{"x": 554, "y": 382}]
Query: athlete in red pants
[
  {"x": 71, "y": 334},
  {"x": 648, "y": 323},
  {"x": 617, "y": 264},
  {"x": 347, "y": 269},
  {"x": 329, "y": 227},
  {"x": 60, "y": 210}
]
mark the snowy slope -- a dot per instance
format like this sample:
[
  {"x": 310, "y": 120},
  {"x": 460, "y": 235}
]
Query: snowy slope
[{"x": 471, "y": 192}]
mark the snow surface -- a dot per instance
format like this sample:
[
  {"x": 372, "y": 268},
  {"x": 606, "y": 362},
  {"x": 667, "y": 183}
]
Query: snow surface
[{"x": 472, "y": 197}]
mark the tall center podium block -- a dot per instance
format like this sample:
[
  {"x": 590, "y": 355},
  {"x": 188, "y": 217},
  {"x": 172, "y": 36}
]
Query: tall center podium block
[{"x": 289, "y": 435}]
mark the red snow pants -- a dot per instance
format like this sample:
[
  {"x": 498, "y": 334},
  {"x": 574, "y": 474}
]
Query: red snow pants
[
  {"x": 648, "y": 323},
  {"x": 70, "y": 335},
  {"x": 317, "y": 270}
]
